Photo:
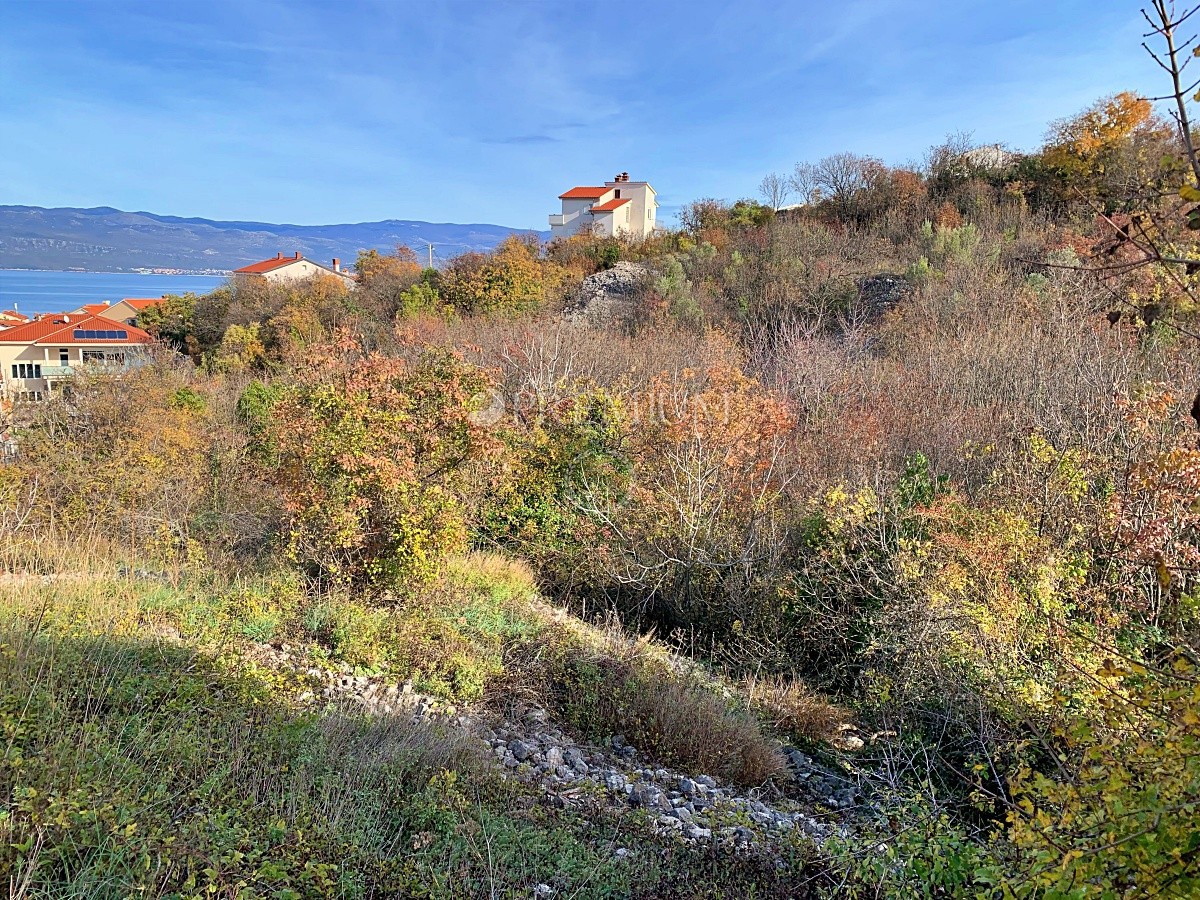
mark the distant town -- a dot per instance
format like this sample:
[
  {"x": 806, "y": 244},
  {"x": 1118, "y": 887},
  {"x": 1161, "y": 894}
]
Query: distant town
[
  {"x": 166, "y": 271},
  {"x": 141, "y": 270}
]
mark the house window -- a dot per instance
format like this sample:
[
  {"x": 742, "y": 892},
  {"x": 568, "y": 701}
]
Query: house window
[
  {"x": 64, "y": 356},
  {"x": 103, "y": 357},
  {"x": 618, "y": 193},
  {"x": 27, "y": 370}
]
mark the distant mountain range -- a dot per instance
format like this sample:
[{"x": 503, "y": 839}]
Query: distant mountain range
[{"x": 109, "y": 240}]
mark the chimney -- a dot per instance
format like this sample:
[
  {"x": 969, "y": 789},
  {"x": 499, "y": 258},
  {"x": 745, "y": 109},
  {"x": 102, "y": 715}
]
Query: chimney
[
  {"x": 337, "y": 264},
  {"x": 297, "y": 254},
  {"x": 624, "y": 176},
  {"x": 279, "y": 255}
]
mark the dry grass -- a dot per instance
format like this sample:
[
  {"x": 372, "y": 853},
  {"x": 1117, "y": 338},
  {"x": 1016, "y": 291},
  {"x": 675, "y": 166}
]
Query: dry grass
[
  {"x": 790, "y": 706},
  {"x": 27, "y": 553},
  {"x": 514, "y": 576},
  {"x": 687, "y": 725},
  {"x": 605, "y": 682}
]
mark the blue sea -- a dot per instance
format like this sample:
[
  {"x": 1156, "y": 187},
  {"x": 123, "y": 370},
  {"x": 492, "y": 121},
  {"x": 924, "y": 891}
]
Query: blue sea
[{"x": 39, "y": 292}]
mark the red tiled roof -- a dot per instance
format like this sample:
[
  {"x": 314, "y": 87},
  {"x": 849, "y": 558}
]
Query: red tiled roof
[
  {"x": 57, "y": 328},
  {"x": 267, "y": 265},
  {"x": 143, "y": 302},
  {"x": 11, "y": 315},
  {"x": 92, "y": 309},
  {"x": 584, "y": 193},
  {"x": 615, "y": 203}
]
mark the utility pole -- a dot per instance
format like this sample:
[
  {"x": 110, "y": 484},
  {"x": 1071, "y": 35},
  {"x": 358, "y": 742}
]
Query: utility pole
[{"x": 430, "y": 253}]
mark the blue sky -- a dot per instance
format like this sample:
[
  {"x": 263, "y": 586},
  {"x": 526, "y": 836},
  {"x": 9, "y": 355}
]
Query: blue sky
[{"x": 357, "y": 110}]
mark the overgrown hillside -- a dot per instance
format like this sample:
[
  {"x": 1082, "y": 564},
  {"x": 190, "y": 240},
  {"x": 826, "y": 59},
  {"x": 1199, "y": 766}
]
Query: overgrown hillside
[{"x": 845, "y": 550}]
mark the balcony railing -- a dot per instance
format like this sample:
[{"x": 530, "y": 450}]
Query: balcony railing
[{"x": 57, "y": 371}]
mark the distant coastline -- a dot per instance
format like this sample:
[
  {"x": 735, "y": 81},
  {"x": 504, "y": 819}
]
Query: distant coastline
[
  {"x": 32, "y": 291},
  {"x": 206, "y": 273},
  {"x": 103, "y": 239}
]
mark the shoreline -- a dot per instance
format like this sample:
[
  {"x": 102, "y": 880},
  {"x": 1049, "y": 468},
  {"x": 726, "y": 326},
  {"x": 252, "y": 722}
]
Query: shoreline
[{"x": 174, "y": 273}]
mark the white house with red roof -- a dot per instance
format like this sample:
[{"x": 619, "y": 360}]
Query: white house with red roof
[
  {"x": 620, "y": 207},
  {"x": 126, "y": 310},
  {"x": 38, "y": 355},
  {"x": 290, "y": 268},
  {"x": 129, "y": 309},
  {"x": 10, "y": 317},
  {"x": 91, "y": 309}
]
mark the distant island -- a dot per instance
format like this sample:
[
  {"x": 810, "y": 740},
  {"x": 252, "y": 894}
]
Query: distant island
[{"x": 104, "y": 239}]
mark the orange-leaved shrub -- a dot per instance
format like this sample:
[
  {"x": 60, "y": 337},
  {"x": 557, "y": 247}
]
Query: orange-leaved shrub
[
  {"x": 369, "y": 453},
  {"x": 699, "y": 525}
]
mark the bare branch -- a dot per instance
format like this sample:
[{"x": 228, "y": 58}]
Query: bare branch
[{"x": 1165, "y": 27}]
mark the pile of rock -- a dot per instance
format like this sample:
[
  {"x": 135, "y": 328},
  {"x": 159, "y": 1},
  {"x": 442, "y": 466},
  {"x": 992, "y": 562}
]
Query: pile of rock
[
  {"x": 529, "y": 747},
  {"x": 879, "y": 293},
  {"x": 829, "y": 788},
  {"x": 695, "y": 807},
  {"x": 608, "y": 296},
  {"x": 376, "y": 695}
]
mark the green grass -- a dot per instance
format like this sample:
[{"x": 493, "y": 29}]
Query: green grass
[
  {"x": 143, "y": 754},
  {"x": 134, "y": 766}
]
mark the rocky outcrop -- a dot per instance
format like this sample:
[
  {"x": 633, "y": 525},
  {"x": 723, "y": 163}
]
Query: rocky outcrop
[{"x": 608, "y": 296}]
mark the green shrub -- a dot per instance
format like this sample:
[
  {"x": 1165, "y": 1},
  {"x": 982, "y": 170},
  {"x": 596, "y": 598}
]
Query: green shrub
[
  {"x": 922, "y": 853},
  {"x": 1119, "y": 814}
]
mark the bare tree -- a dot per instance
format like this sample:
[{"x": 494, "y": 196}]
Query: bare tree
[
  {"x": 948, "y": 163},
  {"x": 1164, "y": 25},
  {"x": 803, "y": 182},
  {"x": 842, "y": 179},
  {"x": 844, "y": 175},
  {"x": 775, "y": 190}
]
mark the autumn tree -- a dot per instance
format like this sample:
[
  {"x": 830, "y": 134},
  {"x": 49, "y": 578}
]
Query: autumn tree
[
  {"x": 511, "y": 278},
  {"x": 706, "y": 214},
  {"x": 1113, "y": 151},
  {"x": 241, "y": 350},
  {"x": 171, "y": 320},
  {"x": 368, "y": 451},
  {"x": 311, "y": 311},
  {"x": 373, "y": 266}
]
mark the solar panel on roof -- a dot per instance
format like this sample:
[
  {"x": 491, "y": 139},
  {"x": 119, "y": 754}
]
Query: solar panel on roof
[{"x": 100, "y": 334}]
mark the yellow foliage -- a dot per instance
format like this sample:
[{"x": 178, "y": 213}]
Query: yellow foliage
[
  {"x": 512, "y": 278},
  {"x": 1100, "y": 127}
]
